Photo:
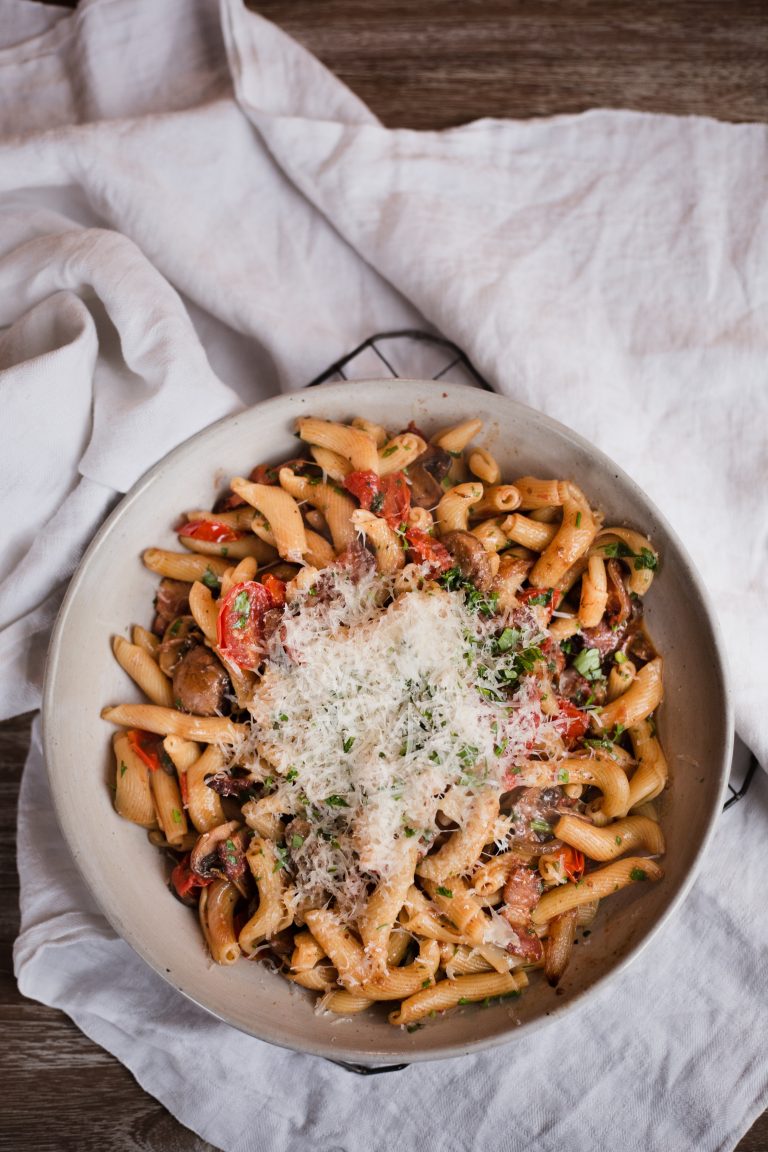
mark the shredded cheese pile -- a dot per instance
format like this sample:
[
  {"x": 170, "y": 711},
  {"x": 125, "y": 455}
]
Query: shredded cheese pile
[{"x": 367, "y": 715}]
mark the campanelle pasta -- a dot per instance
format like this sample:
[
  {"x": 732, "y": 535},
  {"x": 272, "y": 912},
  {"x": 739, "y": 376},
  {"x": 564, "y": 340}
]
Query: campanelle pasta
[{"x": 400, "y": 723}]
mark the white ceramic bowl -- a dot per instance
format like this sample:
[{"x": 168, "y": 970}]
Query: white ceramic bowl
[{"x": 112, "y": 590}]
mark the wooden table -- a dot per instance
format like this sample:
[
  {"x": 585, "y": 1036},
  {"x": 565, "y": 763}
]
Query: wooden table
[{"x": 423, "y": 65}]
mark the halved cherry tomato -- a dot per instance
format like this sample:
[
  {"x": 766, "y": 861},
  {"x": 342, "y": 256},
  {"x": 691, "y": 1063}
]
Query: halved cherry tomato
[
  {"x": 365, "y": 487},
  {"x": 571, "y": 860},
  {"x": 212, "y": 531},
  {"x": 275, "y": 586},
  {"x": 572, "y": 723},
  {"x": 396, "y": 499},
  {"x": 547, "y": 598},
  {"x": 147, "y": 747},
  {"x": 264, "y": 474},
  {"x": 240, "y": 624},
  {"x": 386, "y": 496},
  {"x": 185, "y": 881},
  {"x": 426, "y": 550}
]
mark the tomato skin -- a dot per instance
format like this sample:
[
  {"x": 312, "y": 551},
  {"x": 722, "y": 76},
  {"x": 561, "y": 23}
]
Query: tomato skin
[
  {"x": 146, "y": 745},
  {"x": 275, "y": 586},
  {"x": 572, "y": 862},
  {"x": 426, "y": 550},
  {"x": 365, "y": 487},
  {"x": 397, "y": 499},
  {"x": 573, "y": 722},
  {"x": 212, "y": 531},
  {"x": 528, "y": 594},
  {"x": 240, "y": 624},
  {"x": 264, "y": 474},
  {"x": 184, "y": 881}
]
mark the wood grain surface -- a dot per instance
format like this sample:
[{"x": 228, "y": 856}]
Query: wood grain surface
[{"x": 425, "y": 65}]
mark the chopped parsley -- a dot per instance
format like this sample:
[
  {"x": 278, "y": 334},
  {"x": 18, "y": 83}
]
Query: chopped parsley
[
  {"x": 297, "y": 841},
  {"x": 442, "y": 891},
  {"x": 377, "y": 502},
  {"x": 336, "y": 802},
  {"x": 588, "y": 663},
  {"x": 646, "y": 559},
  {"x": 541, "y": 826},
  {"x": 211, "y": 580},
  {"x": 541, "y": 598},
  {"x": 476, "y": 601},
  {"x": 617, "y": 549},
  {"x": 578, "y": 519},
  {"x": 282, "y": 858},
  {"x": 347, "y": 743},
  {"x": 620, "y": 657},
  {"x": 175, "y": 815},
  {"x": 638, "y": 874},
  {"x": 291, "y": 775},
  {"x": 241, "y": 608},
  {"x": 390, "y": 450},
  {"x": 508, "y": 639},
  {"x": 123, "y": 767}
]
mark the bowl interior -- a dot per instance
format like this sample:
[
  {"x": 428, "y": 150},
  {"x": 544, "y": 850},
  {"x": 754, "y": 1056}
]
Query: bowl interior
[{"x": 112, "y": 590}]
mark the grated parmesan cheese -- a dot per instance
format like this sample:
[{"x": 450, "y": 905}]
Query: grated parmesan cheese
[{"x": 371, "y": 708}]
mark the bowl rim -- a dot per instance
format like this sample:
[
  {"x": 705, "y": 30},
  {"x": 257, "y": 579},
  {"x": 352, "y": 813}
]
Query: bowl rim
[{"x": 383, "y": 1055}]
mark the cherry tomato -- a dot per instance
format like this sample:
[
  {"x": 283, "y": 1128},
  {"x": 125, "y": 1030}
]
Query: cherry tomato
[
  {"x": 185, "y": 881},
  {"x": 147, "y": 746},
  {"x": 275, "y": 587},
  {"x": 571, "y": 861},
  {"x": 572, "y": 723},
  {"x": 365, "y": 487},
  {"x": 213, "y": 531},
  {"x": 547, "y": 598},
  {"x": 240, "y": 624},
  {"x": 426, "y": 550},
  {"x": 396, "y": 502}
]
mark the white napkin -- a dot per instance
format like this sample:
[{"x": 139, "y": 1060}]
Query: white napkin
[{"x": 162, "y": 233}]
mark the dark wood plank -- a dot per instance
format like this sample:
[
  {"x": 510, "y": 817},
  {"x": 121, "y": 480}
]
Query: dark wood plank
[{"x": 429, "y": 65}]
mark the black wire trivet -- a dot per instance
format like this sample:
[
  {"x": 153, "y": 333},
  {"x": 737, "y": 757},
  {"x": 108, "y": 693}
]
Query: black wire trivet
[{"x": 415, "y": 355}]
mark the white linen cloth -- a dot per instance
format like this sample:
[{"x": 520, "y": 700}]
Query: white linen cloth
[{"x": 194, "y": 214}]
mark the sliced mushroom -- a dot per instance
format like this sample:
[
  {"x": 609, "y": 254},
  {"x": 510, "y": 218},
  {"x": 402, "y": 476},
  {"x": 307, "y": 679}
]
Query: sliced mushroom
[
  {"x": 471, "y": 558},
  {"x": 171, "y": 600},
  {"x": 204, "y": 858},
  {"x": 180, "y": 635},
  {"x": 200, "y": 682},
  {"x": 425, "y": 476}
]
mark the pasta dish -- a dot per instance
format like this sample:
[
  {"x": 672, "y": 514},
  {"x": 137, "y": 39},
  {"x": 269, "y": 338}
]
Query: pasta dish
[{"x": 399, "y": 740}]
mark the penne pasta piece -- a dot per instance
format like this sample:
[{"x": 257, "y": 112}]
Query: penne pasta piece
[
  {"x": 306, "y": 952},
  {"x": 280, "y": 510},
  {"x": 492, "y": 875},
  {"x": 619, "y": 679},
  {"x": 169, "y": 722},
  {"x": 559, "y": 945},
  {"x": 389, "y": 552},
  {"x": 204, "y": 610},
  {"x": 536, "y": 493},
  {"x": 490, "y": 535},
  {"x": 378, "y": 919},
  {"x": 463, "y": 848},
  {"x": 335, "y": 505},
  {"x": 203, "y": 804},
  {"x": 353, "y": 444},
  {"x": 265, "y": 815},
  {"x": 564, "y": 626},
  {"x": 234, "y": 549},
  {"x": 133, "y": 795},
  {"x": 420, "y": 518},
  {"x": 594, "y": 593},
  {"x": 522, "y": 530},
  {"x": 331, "y": 463},
  {"x": 627, "y": 835},
  {"x": 458, "y": 904},
  {"x": 399, "y": 452},
  {"x": 146, "y": 640},
  {"x": 169, "y": 806},
  {"x": 272, "y": 916},
  {"x": 143, "y": 670},
  {"x": 320, "y": 979},
  {"x": 643, "y": 697},
  {"x": 652, "y": 771},
  {"x": 343, "y": 1003},
  {"x": 450, "y": 993},
  {"x": 217, "y": 920},
  {"x": 509, "y": 580},
  {"x": 337, "y": 942},
  {"x": 397, "y": 983},
  {"x": 452, "y": 514},
  {"x": 183, "y": 565},
  {"x": 571, "y": 541},
  {"x": 319, "y": 552},
  {"x": 456, "y": 438},
  {"x": 497, "y": 500},
  {"x": 238, "y": 518},
  {"x": 642, "y": 561},
  {"x": 375, "y": 431},
  {"x": 599, "y": 769},
  {"x": 595, "y": 886},
  {"x": 484, "y": 466}
]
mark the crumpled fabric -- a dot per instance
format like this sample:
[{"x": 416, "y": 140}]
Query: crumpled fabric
[{"x": 195, "y": 214}]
